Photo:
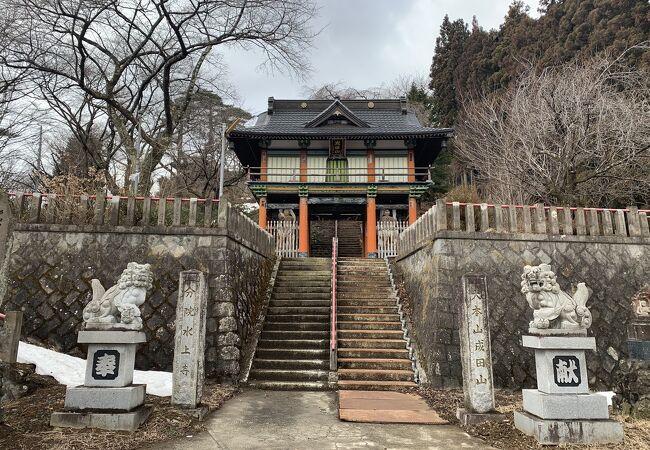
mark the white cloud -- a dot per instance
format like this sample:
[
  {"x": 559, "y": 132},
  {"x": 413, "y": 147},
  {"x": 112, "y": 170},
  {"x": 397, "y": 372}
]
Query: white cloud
[{"x": 365, "y": 43}]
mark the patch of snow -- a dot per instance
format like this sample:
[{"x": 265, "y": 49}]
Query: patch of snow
[
  {"x": 71, "y": 371},
  {"x": 249, "y": 207},
  {"x": 609, "y": 395}
]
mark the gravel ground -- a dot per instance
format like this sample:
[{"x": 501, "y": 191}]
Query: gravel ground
[
  {"x": 505, "y": 436},
  {"x": 26, "y": 421}
]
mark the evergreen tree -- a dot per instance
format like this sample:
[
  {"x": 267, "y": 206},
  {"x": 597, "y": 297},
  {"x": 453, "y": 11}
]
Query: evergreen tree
[{"x": 448, "y": 52}]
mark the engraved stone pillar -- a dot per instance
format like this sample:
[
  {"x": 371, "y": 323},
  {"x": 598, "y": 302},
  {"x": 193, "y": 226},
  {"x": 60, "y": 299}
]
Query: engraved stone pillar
[
  {"x": 189, "y": 348},
  {"x": 475, "y": 352}
]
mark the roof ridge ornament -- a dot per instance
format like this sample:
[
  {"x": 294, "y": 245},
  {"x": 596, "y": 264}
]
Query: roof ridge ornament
[{"x": 340, "y": 110}]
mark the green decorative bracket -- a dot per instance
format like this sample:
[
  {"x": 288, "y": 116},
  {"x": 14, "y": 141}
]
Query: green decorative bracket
[
  {"x": 372, "y": 190},
  {"x": 303, "y": 190},
  {"x": 410, "y": 143},
  {"x": 303, "y": 143},
  {"x": 258, "y": 190},
  {"x": 264, "y": 143},
  {"x": 370, "y": 143},
  {"x": 417, "y": 191}
]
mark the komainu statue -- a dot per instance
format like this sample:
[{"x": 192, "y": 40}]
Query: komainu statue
[
  {"x": 118, "y": 308},
  {"x": 552, "y": 307}
]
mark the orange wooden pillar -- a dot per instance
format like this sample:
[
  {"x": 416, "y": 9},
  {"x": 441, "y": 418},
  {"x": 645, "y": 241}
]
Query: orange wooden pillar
[
  {"x": 411, "y": 165},
  {"x": 303, "y": 166},
  {"x": 413, "y": 210},
  {"x": 371, "y": 226},
  {"x": 303, "y": 225},
  {"x": 264, "y": 164},
  {"x": 262, "y": 213},
  {"x": 370, "y": 151}
]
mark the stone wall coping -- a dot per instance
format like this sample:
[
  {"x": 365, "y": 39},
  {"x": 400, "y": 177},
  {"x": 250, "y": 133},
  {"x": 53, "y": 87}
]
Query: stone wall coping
[
  {"x": 111, "y": 337},
  {"x": 486, "y": 236},
  {"x": 559, "y": 342},
  {"x": 148, "y": 230}
]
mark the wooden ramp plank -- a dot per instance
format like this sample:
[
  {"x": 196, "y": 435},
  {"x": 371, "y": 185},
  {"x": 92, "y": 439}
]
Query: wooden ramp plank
[{"x": 386, "y": 407}]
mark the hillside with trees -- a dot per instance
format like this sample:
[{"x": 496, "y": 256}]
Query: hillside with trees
[{"x": 483, "y": 81}]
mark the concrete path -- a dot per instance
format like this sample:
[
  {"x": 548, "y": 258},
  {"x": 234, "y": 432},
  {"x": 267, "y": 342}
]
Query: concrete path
[{"x": 257, "y": 419}]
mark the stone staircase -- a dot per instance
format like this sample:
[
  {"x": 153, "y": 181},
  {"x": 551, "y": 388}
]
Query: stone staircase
[
  {"x": 321, "y": 234},
  {"x": 293, "y": 349},
  {"x": 372, "y": 349},
  {"x": 350, "y": 238}
]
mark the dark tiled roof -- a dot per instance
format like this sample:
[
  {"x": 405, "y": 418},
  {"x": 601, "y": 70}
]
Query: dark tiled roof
[{"x": 388, "y": 118}]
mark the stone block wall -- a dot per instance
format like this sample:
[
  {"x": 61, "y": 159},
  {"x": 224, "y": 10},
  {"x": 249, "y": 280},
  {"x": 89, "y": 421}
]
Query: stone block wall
[
  {"x": 615, "y": 268},
  {"x": 51, "y": 267}
]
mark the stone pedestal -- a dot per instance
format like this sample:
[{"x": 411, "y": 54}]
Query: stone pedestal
[
  {"x": 561, "y": 409},
  {"x": 108, "y": 399}
]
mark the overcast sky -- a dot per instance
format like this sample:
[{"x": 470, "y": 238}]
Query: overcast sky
[{"x": 365, "y": 43}]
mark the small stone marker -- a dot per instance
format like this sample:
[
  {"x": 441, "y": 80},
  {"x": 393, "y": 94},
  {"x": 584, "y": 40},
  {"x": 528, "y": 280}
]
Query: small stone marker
[
  {"x": 189, "y": 354},
  {"x": 561, "y": 409},
  {"x": 475, "y": 351},
  {"x": 108, "y": 398},
  {"x": 10, "y": 336}
]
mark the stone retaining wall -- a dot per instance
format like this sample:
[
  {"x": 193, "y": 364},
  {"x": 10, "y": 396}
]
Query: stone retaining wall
[
  {"x": 614, "y": 267},
  {"x": 51, "y": 266}
]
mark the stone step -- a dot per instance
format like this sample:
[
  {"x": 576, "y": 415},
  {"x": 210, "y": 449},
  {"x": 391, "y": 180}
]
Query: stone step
[
  {"x": 293, "y": 353},
  {"x": 297, "y": 326},
  {"x": 377, "y": 325},
  {"x": 367, "y": 310},
  {"x": 302, "y": 260},
  {"x": 370, "y": 334},
  {"x": 295, "y": 334},
  {"x": 362, "y": 284},
  {"x": 302, "y": 272},
  {"x": 302, "y": 289},
  {"x": 289, "y": 375},
  {"x": 301, "y": 344},
  {"x": 297, "y": 318},
  {"x": 298, "y": 310},
  {"x": 374, "y": 363},
  {"x": 375, "y": 385},
  {"x": 301, "y": 296},
  {"x": 370, "y": 294},
  {"x": 291, "y": 364},
  {"x": 372, "y": 353},
  {"x": 363, "y": 302},
  {"x": 371, "y": 343},
  {"x": 368, "y": 317},
  {"x": 290, "y": 284},
  {"x": 376, "y": 374},
  {"x": 291, "y": 385},
  {"x": 302, "y": 303}
]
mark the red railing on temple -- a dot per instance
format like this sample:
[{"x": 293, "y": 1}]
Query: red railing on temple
[{"x": 333, "y": 338}]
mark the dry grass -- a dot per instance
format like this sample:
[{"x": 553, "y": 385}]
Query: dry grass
[
  {"x": 504, "y": 435},
  {"x": 27, "y": 422}
]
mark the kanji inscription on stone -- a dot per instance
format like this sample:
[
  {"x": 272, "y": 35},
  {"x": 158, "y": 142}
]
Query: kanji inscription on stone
[
  {"x": 475, "y": 345},
  {"x": 566, "y": 370},
  {"x": 106, "y": 364},
  {"x": 189, "y": 341}
]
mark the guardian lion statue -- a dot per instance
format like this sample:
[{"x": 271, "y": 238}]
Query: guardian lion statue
[
  {"x": 118, "y": 308},
  {"x": 552, "y": 307}
]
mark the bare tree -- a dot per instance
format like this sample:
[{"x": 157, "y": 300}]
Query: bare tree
[
  {"x": 194, "y": 169},
  {"x": 573, "y": 135},
  {"x": 142, "y": 60}
]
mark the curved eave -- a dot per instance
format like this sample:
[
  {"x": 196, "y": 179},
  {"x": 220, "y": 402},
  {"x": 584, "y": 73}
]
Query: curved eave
[{"x": 441, "y": 133}]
